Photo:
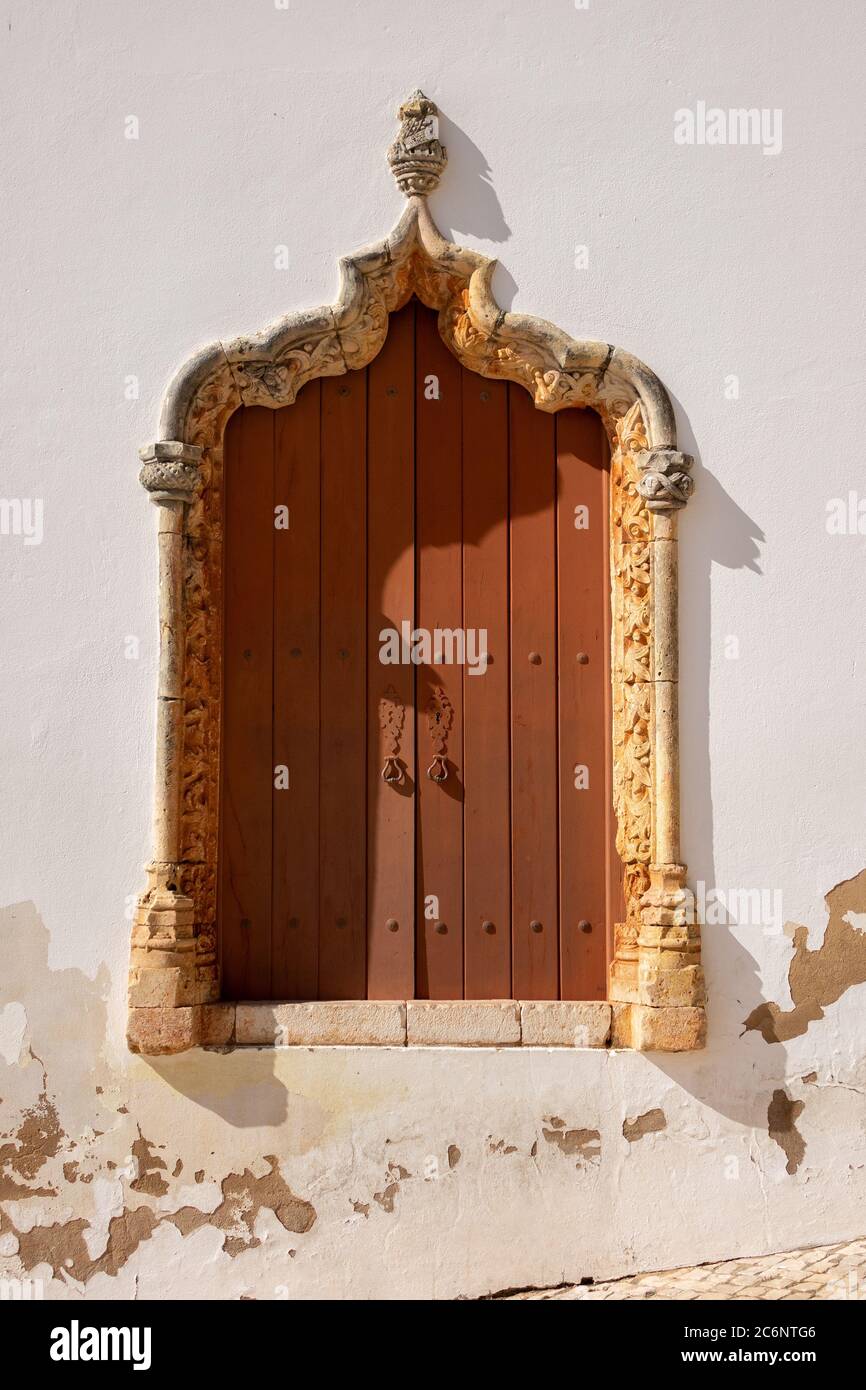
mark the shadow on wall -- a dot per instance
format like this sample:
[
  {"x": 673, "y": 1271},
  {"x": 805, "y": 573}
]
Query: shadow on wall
[
  {"x": 467, "y": 202},
  {"x": 714, "y": 531},
  {"x": 748, "y": 1068},
  {"x": 53, "y": 1031},
  {"x": 747, "y": 1064},
  {"x": 748, "y": 1073},
  {"x": 249, "y": 1097},
  {"x": 71, "y": 1128}
]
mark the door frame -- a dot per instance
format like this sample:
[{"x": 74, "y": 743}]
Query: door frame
[{"x": 656, "y": 992}]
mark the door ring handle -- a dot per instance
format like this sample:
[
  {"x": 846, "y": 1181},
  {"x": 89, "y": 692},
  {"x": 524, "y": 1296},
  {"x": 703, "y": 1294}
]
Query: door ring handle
[
  {"x": 438, "y": 769},
  {"x": 392, "y": 771}
]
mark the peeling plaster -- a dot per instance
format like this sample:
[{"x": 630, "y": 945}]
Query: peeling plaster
[
  {"x": 782, "y": 1112},
  {"x": 14, "y": 1037},
  {"x": 65, "y": 1246},
  {"x": 150, "y": 1169},
  {"x": 39, "y": 1144},
  {"x": 386, "y": 1198},
  {"x": 437, "y": 1173},
  {"x": 585, "y": 1143},
  {"x": 651, "y": 1122},
  {"x": 818, "y": 978},
  {"x": 37, "y": 1139},
  {"x": 244, "y": 1196}
]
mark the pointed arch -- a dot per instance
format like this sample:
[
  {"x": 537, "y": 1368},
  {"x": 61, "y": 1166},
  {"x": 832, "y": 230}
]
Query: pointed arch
[{"x": 656, "y": 988}]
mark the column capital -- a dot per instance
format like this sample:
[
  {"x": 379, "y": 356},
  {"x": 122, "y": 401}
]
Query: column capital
[
  {"x": 169, "y": 470},
  {"x": 665, "y": 481}
]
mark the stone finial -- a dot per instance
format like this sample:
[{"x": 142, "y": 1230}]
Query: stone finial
[
  {"x": 665, "y": 481},
  {"x": 169, "y": 470},
  {"x": 416, "y": 157}
]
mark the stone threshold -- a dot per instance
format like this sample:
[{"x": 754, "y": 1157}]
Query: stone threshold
[
  {"x": 409, "y": 1023},
  {"x": 492, "y": 1023}
]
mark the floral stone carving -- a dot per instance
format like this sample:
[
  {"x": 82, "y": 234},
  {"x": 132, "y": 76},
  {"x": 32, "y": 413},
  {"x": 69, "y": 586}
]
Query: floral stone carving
[{"x": 656, "y": 983}]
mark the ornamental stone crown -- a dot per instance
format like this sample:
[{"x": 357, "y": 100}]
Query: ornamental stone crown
[{"x": 416, "y": 157}]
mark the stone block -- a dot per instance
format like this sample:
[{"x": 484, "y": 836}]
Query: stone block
[
  {"x": 158, "y": 1032},
  {"x": 668, "y": 1029},
  {"x": 555, "y": 1023},
  {"x": 325, "y": 1023},
  {"x": 463, "y": 1023},
  {"x": 217, "y": 1025}
]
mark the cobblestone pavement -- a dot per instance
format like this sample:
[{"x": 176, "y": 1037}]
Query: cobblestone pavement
[{"x": 826, "y": 1271}]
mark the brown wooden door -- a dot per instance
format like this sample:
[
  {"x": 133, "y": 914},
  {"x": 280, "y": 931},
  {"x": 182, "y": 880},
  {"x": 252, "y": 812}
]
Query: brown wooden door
[{"x": 416, "y": 708}]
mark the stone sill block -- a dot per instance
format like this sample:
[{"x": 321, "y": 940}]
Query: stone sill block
[
  {"x": 494, "y": 1023},
  {"x": 423, "y": 1023},
  {"x": 413, "y": 1023}
]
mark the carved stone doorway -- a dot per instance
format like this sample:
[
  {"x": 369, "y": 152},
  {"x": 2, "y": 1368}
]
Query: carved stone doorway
[{"x": 655, "y": 991}]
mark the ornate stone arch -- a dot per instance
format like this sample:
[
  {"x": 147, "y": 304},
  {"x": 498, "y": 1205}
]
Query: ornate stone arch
[{"x": 656, "y": 984}]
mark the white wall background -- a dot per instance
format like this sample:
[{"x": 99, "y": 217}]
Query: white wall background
[{"x": 261, "y": 126}]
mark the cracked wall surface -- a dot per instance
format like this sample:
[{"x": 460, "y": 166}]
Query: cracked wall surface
[{"x": 384, "y": 1172}]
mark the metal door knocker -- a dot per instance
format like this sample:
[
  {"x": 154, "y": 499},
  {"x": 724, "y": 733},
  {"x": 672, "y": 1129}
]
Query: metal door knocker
[
  {"x": 440, "y": 717},
  {"x": 392, "y": 716}
]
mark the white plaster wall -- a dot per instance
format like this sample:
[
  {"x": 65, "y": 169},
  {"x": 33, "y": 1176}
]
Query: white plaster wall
[{"x": 261, "y": 126}]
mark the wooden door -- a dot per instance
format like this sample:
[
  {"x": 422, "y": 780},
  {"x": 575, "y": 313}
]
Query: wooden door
[{"x": 416, "y": 701}]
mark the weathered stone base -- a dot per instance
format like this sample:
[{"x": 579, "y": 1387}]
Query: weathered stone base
[
  {"x": 157, "y": 1031},
  {"x": 417, "y": 1023},
  {"x": 646, "y": 1029},
  {"x": 463, "y": 1023},
  {"x": 563, "y": 1023},
  {"x": 337, "y": 1023}
]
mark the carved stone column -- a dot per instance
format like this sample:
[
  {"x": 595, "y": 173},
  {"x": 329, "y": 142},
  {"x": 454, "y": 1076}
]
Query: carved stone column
[
  {"x": 667, "y": 1011},
  {"x": 164, "y": 1016}
]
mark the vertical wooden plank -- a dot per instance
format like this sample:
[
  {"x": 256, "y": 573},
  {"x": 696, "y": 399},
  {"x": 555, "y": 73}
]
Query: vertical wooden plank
[
  {"x": 296, "y": 698},
  {"x": 535, "y": 965},
  {"x": 486, "y": 744},
  {"x": 390, "y": 688},
  {"x": 439, "y": 681},
  {"x": 583, "y": 566},
  {"x": 247, "y": 773},
  {"x": 343, "y": 755}
]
